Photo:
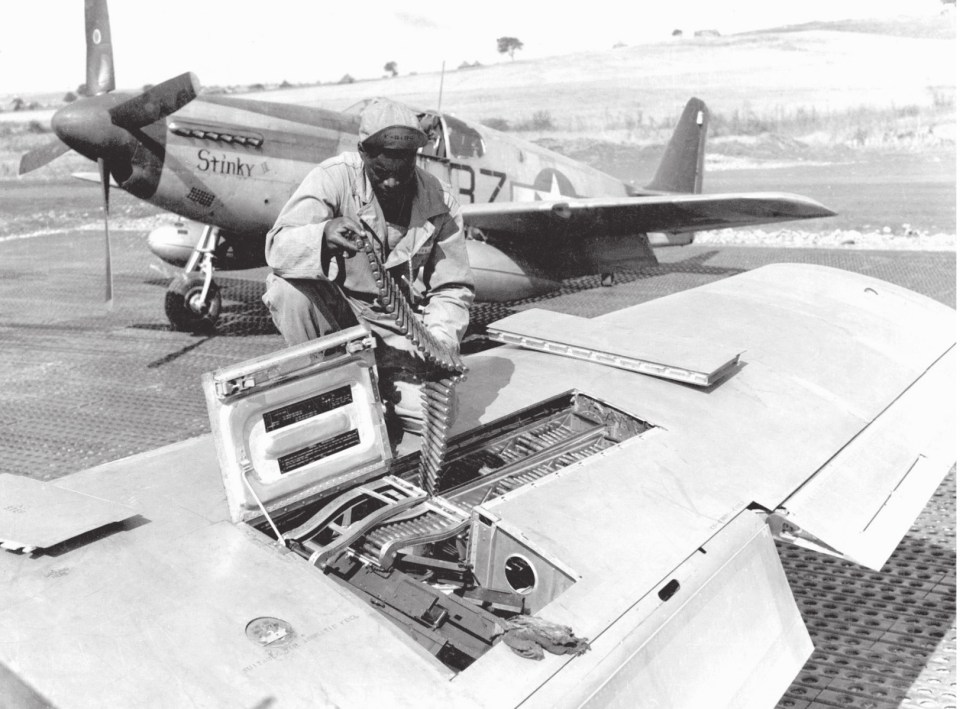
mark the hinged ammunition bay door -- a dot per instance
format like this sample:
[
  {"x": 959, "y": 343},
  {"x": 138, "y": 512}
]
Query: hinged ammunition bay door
[
  {"x": 302, "y": 422},
  {"x": 682, "y": 358}
]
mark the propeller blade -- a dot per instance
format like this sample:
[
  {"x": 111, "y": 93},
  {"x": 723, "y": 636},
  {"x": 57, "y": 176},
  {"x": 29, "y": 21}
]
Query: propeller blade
[
  {"x": 38, "y": 157},
  {"x": 100, "y": 78},
  {"x": 156, "y": 102},
  {"x": 105, "y": 182},
  {"x": 93, "y": 177}
]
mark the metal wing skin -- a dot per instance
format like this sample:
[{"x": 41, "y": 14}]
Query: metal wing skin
[
  {"x": 843, "y": 398},
  {"x": 675, "y": 213},
  {"x": 832, "y": 429}
]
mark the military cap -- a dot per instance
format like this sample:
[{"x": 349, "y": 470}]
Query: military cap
[{"x": 390, "y": 125}]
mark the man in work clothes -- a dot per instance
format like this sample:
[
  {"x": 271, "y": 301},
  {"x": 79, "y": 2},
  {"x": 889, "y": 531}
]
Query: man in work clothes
[{"x": 318, "y": 283}]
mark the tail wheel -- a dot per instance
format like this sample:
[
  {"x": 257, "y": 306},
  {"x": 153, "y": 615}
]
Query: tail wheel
[{"x": 186, "y": 309}]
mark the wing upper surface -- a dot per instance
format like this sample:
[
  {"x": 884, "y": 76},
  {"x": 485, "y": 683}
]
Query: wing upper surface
[
  {"x": 662, "y": 531},
  {"x": 657, "y": 213},
  {"x": 839, "y": 414}
]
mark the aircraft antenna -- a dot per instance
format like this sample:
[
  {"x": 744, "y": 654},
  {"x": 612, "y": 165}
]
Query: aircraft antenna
[{"x": 443, "y": 67}]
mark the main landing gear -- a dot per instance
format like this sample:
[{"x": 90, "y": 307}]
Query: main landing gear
[{"x": 193, "y": 300}]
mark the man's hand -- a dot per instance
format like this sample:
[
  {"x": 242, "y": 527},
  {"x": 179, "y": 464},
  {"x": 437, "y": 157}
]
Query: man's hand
[
  {"x": 341, "y": 235},
  {"x": 444, "y": 339}
]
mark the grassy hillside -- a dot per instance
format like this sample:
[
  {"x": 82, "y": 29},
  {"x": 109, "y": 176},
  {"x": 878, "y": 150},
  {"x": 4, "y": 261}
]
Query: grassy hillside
[
  {"x": 802, "y": 91},
  {"x": 942, "y": 26},
  {"x": 766, "y": 74}
]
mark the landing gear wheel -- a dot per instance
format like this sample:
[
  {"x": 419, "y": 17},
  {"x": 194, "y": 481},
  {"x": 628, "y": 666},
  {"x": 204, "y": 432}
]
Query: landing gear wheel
[{"x": 183, "y": 305}]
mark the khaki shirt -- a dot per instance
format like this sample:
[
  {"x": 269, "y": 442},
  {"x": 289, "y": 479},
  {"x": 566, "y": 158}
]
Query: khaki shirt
[{"x": 434, "y": 241}]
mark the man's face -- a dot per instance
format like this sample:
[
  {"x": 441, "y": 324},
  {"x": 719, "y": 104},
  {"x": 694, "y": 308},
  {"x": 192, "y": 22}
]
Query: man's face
[{"x": 390, "y": 171}]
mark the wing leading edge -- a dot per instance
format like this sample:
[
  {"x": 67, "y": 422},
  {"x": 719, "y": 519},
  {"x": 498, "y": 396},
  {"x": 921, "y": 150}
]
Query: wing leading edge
[{"x": 651, "y": 213}]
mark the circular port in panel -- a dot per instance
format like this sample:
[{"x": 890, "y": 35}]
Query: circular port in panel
[{"x": 520, "y": 574}]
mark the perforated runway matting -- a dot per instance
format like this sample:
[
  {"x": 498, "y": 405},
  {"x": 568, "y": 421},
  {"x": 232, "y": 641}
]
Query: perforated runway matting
[{"x": 83, "y": 385}]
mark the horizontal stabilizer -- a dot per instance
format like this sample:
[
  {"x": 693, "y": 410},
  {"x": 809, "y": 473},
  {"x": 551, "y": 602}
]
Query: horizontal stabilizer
[{"x": 632, "y": 215}]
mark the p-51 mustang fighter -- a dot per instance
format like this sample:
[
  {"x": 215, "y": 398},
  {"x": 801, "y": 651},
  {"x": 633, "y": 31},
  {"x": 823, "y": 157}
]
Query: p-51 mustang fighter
[{"x": 228, "y": 165}]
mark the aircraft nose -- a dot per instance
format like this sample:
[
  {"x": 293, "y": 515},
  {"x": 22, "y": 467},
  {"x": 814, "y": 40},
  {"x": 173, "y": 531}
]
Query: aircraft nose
[{"x": 85, "y": 126}]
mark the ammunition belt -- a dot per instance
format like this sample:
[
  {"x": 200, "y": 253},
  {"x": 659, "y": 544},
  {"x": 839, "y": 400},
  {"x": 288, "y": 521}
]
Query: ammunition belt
[
  {"x": 438, "y": 396},
  {"x": 430, "y": 521}
]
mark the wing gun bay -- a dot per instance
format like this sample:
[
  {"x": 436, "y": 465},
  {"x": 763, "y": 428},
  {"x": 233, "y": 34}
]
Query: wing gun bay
[
  {"x": 306, "y": 463},
  {"x": 608, "y": 499}
]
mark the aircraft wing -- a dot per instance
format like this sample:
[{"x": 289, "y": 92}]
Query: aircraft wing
[
  {"x": 643, "y": 516},
  {"x": 675, "y": 213},
  {"x": 838, "y": 414}
]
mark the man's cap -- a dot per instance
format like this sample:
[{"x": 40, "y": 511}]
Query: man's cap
[{"x": 389, "y": 125}]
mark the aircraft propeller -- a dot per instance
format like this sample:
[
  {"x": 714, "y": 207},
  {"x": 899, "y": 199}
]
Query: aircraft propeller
[
  {"x": 105, "y": 185},
  {"x": 156, "y": 102},
  {"x": 102, "y": 126},
  {"x": 38, "y": 157}
]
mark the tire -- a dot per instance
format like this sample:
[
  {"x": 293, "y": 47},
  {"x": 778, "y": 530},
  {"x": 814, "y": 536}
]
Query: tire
[{"x": 183, "y": 307}]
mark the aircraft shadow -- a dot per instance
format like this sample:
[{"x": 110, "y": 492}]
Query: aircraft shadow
[
  {"x": 483, "y": 314},
  {"x": 243, "y": 313}
]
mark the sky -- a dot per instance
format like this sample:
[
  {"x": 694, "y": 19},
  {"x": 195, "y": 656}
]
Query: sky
[{"x": 236, "y": 42}]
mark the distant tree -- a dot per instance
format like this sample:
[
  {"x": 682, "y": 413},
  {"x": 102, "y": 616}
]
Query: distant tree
[
  {"x": 677, "y": 33},
  {"x": 285, "y": 84},
  {"x": 69, "y": 97},
  {"x": 391, "y": 67},
  {"x": 17, "y": 104},
  {"x": 508, "y": 45},
  {"x": 147, "y": 87},
  {"x": 619, "y": 45},
  {"x": 346, "y": 79},
  {"x": 540, "y": 120}
]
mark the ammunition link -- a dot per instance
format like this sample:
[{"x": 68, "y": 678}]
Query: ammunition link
[{"x": 438, "y": 394}]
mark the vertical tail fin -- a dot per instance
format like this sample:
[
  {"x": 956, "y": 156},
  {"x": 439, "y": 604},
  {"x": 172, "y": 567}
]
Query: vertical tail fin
[{"x": 681, "y": 168}]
